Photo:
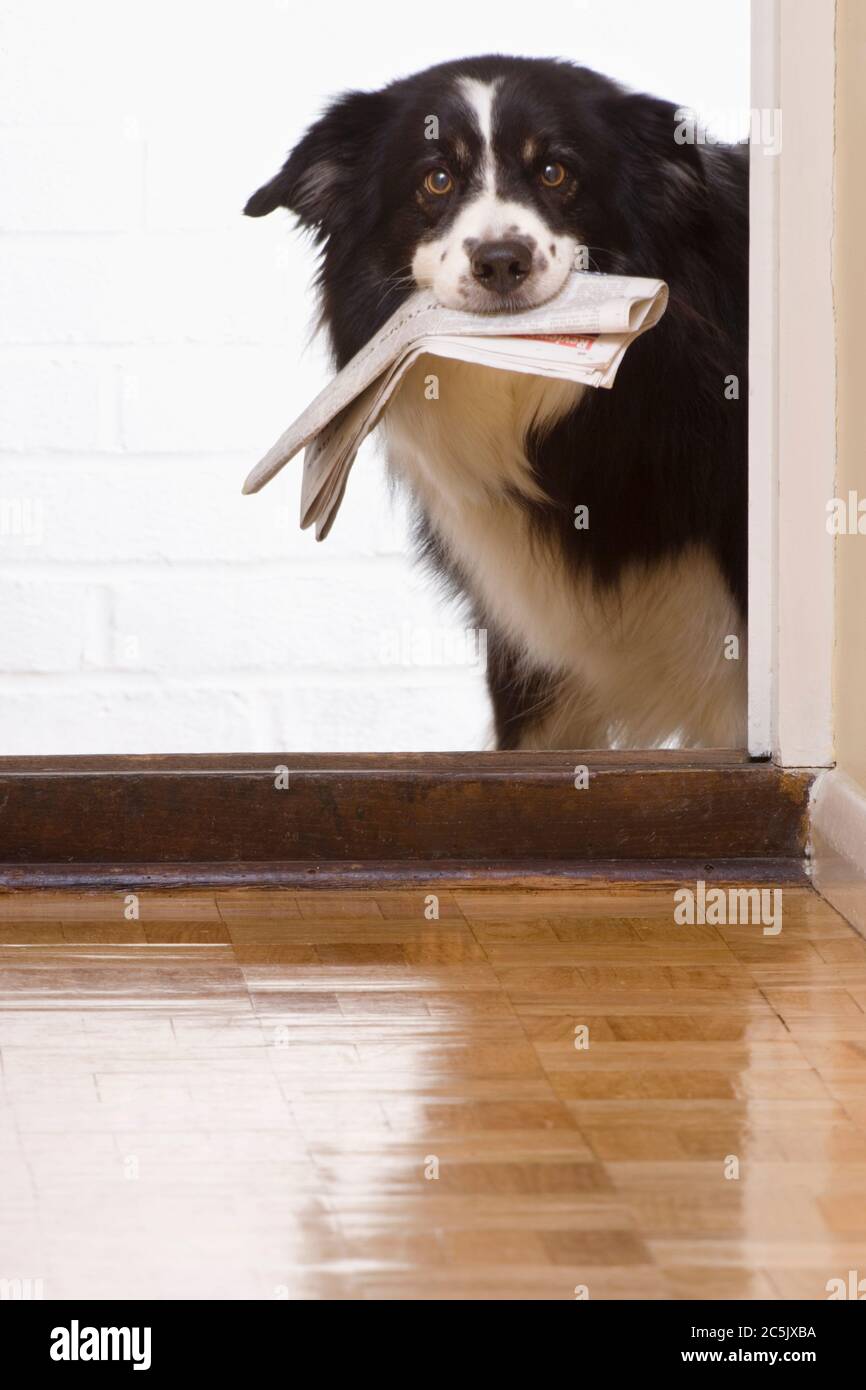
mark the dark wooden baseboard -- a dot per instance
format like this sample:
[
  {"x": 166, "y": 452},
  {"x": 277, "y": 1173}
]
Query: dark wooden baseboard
[{"x": 178, "y": 819}]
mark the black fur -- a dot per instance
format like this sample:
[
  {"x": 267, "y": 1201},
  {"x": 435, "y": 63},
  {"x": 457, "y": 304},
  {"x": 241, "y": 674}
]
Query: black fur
[{"x": 661, "y": 459}]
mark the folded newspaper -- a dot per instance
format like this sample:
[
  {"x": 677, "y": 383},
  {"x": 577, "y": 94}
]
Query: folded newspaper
[{"x": 581, "y": 336}]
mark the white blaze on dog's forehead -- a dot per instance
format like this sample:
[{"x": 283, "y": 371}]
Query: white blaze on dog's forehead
[
  {"x": 479, "y": 96},
  {"x": 487, "y": 215}
]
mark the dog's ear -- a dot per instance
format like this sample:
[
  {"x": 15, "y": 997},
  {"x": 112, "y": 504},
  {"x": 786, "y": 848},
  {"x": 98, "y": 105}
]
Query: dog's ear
[
  {"x": 314, "y": 181},
  {"x": 659, "y": 128}
]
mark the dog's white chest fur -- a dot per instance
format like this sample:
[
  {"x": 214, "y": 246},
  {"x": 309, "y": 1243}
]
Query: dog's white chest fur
[{"x": 646, "y": 665}]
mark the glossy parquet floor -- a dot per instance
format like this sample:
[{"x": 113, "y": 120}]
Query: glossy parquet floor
[{"x": 254, "y": 1094}]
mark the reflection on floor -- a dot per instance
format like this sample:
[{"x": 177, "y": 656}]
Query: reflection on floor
[{"x": 256, "y": 1094}]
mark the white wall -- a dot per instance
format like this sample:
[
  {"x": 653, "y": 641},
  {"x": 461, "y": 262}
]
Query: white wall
[{"x": 153, "y": 342}]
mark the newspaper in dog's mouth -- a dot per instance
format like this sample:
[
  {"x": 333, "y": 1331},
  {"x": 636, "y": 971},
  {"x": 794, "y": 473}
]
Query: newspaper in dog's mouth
[{"x": 581, "y": 335}]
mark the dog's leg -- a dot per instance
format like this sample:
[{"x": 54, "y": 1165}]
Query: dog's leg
[
  {"x": 534, "y": 709},
  {"x": 571, "y": 718},
  {"x": 520, "y": 699}
]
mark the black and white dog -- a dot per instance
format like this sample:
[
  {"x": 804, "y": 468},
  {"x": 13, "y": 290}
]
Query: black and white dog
[{"x": 481, "y": 179}]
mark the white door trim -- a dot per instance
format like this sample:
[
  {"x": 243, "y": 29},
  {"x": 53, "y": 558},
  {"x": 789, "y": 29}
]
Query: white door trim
[
  {"x": 763, "y": 399},
  {"x": 792, "y": 431}
]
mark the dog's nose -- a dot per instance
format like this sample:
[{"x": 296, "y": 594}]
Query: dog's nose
[{"x": 501, "y": 265}]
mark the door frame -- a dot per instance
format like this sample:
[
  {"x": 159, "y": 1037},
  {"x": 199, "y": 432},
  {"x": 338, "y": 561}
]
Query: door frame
[{"x": 792, "y": 387}]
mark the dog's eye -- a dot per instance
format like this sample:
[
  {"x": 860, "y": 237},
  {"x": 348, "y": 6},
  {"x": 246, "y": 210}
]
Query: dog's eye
[
  {"x": 439, "y": 181},
  {"x": 552, "y": 175}
]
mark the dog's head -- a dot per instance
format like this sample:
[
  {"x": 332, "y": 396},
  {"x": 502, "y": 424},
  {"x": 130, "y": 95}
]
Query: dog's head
[{"x": 483, "y": 180}]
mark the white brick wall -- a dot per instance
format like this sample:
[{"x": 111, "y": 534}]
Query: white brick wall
[{"x": 153, "y": 343}]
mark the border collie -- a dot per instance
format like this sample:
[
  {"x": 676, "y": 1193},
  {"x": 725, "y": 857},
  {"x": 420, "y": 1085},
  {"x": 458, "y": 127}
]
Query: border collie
[{"x": 481, "y": 179}]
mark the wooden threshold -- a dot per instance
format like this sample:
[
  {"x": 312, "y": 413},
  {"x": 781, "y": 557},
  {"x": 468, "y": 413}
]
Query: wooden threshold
[{"x": 317, "y": 818}]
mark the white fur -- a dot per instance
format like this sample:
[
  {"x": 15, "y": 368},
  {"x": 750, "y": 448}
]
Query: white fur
[
  {"x": 443, "y": 264},
  {"x": 642, "y": 667},
  {"x": 480, "y": 97}
]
